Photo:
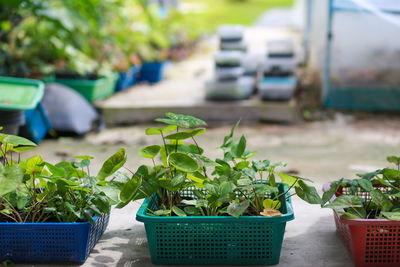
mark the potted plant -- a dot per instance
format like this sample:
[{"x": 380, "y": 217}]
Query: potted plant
[
  {"x": 52, "y": 212},
  {"x": 367, "y": 215},
  {"x": 203, "y": 211}
]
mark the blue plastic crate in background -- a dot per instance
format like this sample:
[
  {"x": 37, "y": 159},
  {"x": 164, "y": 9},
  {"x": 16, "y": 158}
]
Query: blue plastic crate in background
[
  {"x": 37, "y": 124},
  {"x": 50, "y": 242},
  {"x": 152, "y": 72},
  {"x": 127, "y": 79}
]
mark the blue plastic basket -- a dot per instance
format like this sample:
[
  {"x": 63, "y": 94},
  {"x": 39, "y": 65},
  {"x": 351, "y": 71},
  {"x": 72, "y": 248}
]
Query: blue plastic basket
[
  {"x": 127, "y": 79},
  {"x": 152, "y": 72},
  {"x": 37, "y": 124},
  {"x": 50, "y": 242}
]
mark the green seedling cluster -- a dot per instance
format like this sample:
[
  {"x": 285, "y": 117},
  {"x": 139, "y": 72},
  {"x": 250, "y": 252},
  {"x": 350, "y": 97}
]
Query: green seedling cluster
[
  {"x": 34, "y": 190},
  {"x": 231, "y": 185},
  {"x": 374, "y": 195}
]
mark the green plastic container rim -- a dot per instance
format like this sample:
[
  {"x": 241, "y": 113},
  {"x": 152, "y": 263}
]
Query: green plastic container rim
[
  {"x": 141, "y": 215},
  {"x": 23, "y": 81}
]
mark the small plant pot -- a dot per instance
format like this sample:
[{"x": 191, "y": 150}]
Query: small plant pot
[
  {"x": 277, "y": 88},
  {"x": 50, "y": 242},
  {"x": 215, "y": 239},
  {"x": 370, "y": 242},
  {"x": 152, "y": 72},
  {"x": 127, "y": 79},
  {"x": 91, "y": 89},
  {"x": 37, "y": 124}
]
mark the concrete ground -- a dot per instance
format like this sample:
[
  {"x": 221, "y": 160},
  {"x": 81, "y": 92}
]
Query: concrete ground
[{"x": 321, "y": 151}]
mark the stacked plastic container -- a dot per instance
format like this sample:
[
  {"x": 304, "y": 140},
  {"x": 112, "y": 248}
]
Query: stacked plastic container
[
  {"x": 277, "y": 80},
  {"x": 230, "y": 82}
]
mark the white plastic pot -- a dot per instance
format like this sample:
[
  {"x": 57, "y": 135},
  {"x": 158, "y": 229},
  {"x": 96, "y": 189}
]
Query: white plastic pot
[
  {"x": 239, "y": 89},
  {"x": 277, "y": 88}
]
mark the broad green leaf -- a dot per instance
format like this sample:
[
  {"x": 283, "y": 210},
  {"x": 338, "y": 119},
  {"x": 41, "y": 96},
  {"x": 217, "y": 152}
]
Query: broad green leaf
[
  {"x": 190, "y": 202},
  {"x": 271, "y": 204},
  {"x": 184, "y": 121},
  {"x": 259, "y": 165},
  {"x": 242, "y": 165},
  {"x": 391, "y": 174},
  {"x": 112, "y": 190},
  {"x": 34, "y": 165},
  {"x": 82, "y": 164},
  {"x": 158, "y": 131},
  {"x": 150, "y": 151},
  {"x": 244, "y": 181},
  {"x": 55, "y": 170},
  {"x": 16, "y": 140},
  {"x": 370, "y": 175},
  {"x": 84, "y": 157},
  {"x": 288, "y": 179},
  {"x": 327, "y": 196},
  {"x": 130, "y": 189},
  {"x": 365, "y": 184},
  {"x": 228, "y": 137},
  {"x": 395, "y": 216},
  {"x": 345, "y": 201},
  {"x": 239, "y": 149},
  {"x": 10, "y": 178},
  {"x": 22, "y": 148},
  {"x": 382, "y": 201},
  {"x": 178, "y": 211},
  {"x": 190, "y": 210},
  {"x": 198, "y": 181},
  {"x": 237, "y": 208},
  {"x": 350, "y": 215},
  {"x": 185, "y": 134},
  {"x": 112, "y": 164},
  {"x": 204, "y": 161},
  {"x": 183, "y": 162},
  {"x": 308, "y": 193},
  {"x": 161, "y": 212},
  {"x": 178, "y": 179},
  {"x": 393, "y": 159}
]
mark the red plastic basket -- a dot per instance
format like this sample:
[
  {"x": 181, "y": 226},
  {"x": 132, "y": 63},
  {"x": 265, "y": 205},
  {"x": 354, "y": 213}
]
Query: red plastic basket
[{"x": 370, "y": 242}]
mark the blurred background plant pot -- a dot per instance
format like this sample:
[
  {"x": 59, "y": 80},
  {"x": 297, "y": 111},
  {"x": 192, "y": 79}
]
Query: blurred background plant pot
[
  {"x": 152, "y": 72},
  {"x": 127, "y": 78}
]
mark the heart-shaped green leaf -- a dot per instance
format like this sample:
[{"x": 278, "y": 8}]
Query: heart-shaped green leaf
[
  {"x": 184, "y": 121},
  {"x": 185, "y": 134},
  {"x": 158, "y": 131},
  {"x": 150, "y": 151},
  {"x": 112, "y": 164},
  {"x": 183, "y": 162}
]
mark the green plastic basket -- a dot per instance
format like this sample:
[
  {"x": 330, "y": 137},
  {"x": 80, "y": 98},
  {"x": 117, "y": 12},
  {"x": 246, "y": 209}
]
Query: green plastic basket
[
  {"x": 92, "y": 90},
  {"x": 215, "y": 239},
  {"x": 20, "y": 93}
]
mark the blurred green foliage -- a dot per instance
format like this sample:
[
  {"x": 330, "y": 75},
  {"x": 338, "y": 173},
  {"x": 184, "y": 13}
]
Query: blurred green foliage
[{"x": 39, "y": 37}]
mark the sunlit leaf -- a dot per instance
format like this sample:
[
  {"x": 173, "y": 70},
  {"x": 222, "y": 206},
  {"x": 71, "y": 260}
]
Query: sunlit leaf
[{"x": 183, "y": 162}]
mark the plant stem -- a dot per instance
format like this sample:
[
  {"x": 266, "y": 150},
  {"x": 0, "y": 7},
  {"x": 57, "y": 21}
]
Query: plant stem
[
  {"x": 198, "y": 149},
  {"x": 284, "y": 193}
]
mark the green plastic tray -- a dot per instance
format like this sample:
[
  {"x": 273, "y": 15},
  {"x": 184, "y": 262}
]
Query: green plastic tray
[
  {"x": 215, "y": 239},
  {"x": 92, "y": 90},
  {"x": 20, "y": 93}
]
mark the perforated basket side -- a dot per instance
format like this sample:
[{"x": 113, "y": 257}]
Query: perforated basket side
[
  {"x": 215, "y": 239},
  {"x": 49, "y": 242},
  {"x": 370, "y": 242}
]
